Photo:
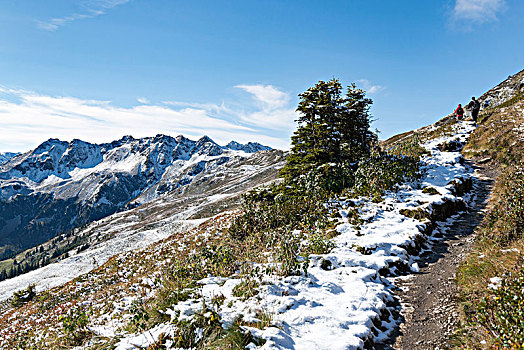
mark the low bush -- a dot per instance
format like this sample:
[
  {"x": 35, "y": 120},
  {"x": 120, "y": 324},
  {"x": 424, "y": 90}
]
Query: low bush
[
  {"x": 74, "y": 325},
  {"x": 430, "y": 190},
  {"x": 246, "y": 289},
  {"x": 23, "y": 296},
  {"x": 205, "y": 331},
  {"x": 501, "y": 313},
  {"x": 383, "y": 172},
  {"x": 318, "y": 243},
  {"x": 504, "y": 222}
]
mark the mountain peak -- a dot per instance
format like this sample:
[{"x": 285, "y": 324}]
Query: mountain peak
[
  {"x": 250, "y": 147},
  {"x": 205, "y": 145},
  {"x": 205, "y": 138},
  {"x": 162, "y": 137}
]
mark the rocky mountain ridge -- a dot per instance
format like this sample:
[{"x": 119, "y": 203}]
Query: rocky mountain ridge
[
  {"x": 505, "y": 91},
  {"x": 61, "y": 185},
  {"x": 5, "y": 156}
]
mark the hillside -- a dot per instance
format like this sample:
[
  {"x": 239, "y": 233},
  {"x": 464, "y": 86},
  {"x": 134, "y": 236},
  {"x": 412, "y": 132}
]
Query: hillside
[
  {"x": 490, "y": 278},
  {"x": 129, "y": 280},
  {"x": 192, "y": 277},
  {"x": 190, "y": 268}
]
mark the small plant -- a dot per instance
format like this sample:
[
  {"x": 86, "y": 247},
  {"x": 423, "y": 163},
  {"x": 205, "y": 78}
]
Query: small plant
[
  {"x": 417, "y": 214},
  {"x": 319, "y": 244},
  {"x": 23, "y": 296},
  {"x": 160, "y": 344},
  {"x": 140, "y": 319},
  {"x": 205, "y": 331},
  {"x": 234, "y": 337},
  {"x": 430, "y": 190},
  {"x": 383, "y": 172},
  {"x": 288, "y": 255},
  {"x": 74, "y": 324},
  {"x": 246, "y": 289},
  {"x": 265, "y": 319},
  {"x": 502, "y": 312},
  {"x": 364, "y": 250}
]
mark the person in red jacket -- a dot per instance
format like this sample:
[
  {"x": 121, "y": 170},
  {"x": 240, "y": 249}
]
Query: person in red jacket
[{"x": 459, "y": 112}]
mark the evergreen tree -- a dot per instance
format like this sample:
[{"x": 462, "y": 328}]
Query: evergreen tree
[
  {"x": 357, "y": 138},
  {"x": 332, "y": 135},
  {"x": 315, "y": 141}
]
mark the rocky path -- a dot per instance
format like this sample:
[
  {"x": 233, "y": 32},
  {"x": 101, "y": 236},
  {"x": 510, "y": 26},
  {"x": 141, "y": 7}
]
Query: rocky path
[{"x": 428, "y": 299}]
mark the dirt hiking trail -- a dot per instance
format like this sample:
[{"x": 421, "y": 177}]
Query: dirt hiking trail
[{"x": 429, "y": 298}]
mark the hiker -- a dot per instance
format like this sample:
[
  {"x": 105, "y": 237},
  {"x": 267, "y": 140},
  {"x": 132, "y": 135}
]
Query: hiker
[
  {"x": 459, "y": 112},
  {"x": 486, "y": 104},
  {"x": 474, "y": 106}
]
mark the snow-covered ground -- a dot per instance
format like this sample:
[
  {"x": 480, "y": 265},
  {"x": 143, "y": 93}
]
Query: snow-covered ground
[
  {"x": 338, "y": 304},
  {"x": 126, "y": 231},
  {"x": 65, "y": 270}
]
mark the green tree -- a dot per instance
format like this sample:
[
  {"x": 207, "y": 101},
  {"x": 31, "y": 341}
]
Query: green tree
[
  {"x": 357, "y": 138},
  {"x": 332, "y": 135}
]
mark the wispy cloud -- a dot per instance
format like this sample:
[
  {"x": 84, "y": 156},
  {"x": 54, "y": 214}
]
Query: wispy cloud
[
  {"x": 269, "y": 96},
  {"x": 143, "y": 100},
  {"x": 28, "y": 118},
  {"x": 274, "y": 111},
  {"x": 92, "y": 8},
  {"x": 478, "y": 11},
  {"x": 369, "y": 87}
]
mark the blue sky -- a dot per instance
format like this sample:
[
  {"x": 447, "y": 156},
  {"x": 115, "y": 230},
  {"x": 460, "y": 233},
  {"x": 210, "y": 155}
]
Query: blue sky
[{"x": 100, "y": 69}]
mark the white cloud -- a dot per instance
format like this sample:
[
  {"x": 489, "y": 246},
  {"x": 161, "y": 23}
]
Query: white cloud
[
  {"x": 275, "y": 111},
  {"x": 28, "y": 119},
  {"x": 143, "y": 100},
  {"x": 477, "y": 10},
  {"x": 370, "y": 88},
  {"x": 92, "y": 8},
  {"x": 269, "y": 96}
]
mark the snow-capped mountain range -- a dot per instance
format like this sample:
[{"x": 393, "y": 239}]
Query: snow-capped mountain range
[{"x": 61, "y": 185}]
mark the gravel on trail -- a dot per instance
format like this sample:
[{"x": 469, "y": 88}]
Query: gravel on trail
[{"x": 429, "y": 299}]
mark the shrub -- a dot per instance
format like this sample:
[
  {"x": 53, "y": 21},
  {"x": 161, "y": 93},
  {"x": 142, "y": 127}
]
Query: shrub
[
  {"x": 408, "y": 148},
  {"x": 502, "y": 312},
  {"x": 140, "y": 319},
  {"x": 23, "y": 296},
  {"x": 275, "y": 208},
  {"x": 505, "y": 220},
  {"x": 205, "y": 331},
  {"x": 74, "y": 324},
  {"x": 318, "y": 243},
  {"x": 383, "y": 172},
  {"x": 246, "y": 289},
  {"x": 430, "y": 190}
]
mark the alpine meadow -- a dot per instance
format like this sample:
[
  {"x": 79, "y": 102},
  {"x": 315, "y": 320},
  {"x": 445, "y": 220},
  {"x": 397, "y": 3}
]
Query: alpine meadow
[{"x": 261, "y": 175}]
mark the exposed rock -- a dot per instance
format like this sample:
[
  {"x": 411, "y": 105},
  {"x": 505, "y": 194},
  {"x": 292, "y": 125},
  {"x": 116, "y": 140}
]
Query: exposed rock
[
  {"x": 62, "y": 185},
  {"x": 451, "y": 146}
]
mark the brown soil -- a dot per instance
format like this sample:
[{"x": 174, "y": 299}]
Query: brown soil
[{"x": 429, "y": 298}]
